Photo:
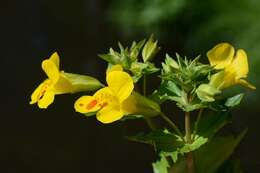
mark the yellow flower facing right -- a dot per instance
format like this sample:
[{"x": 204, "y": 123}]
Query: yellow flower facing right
[{"x": 234, "y": 65}]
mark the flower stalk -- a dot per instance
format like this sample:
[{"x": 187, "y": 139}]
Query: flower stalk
[
  {"x": 172, "y": 124},
  {"x": 190, "y": 160}
]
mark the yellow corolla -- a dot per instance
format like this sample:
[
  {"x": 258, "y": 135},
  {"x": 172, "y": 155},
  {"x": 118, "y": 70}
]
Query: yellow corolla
[
  {"x": 56, "y": 83},
  {"x": 234, "y": 65},
  {"x": 60, "y": 82},
  {"x": 108, "y": 101}
]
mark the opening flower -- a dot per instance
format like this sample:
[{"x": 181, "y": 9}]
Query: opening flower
[
  {"x": 108, "y": 101},
  {"x": 55, "y": 84},
  {"x": 60, "y": 82},
  {"x": 234, "y": 65}
]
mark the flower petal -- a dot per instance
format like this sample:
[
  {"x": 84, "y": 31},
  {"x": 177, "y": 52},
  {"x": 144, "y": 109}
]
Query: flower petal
[
  {"x": 109, "y": 114},
  {"x": 240, "y": 64},
  {"x": 46, "y": 100},
  {"x": 51, "y": 70},
  {"x": 221, "y": 55},
  {"x": 106, "y": 97},
  {"x": 86, "y": 104},
  {"x": 38, "y": 92},
  {"x": 121, "y": 83},
  {"x": 56, "y": 59},
  {"x": 117, "y": 67}
]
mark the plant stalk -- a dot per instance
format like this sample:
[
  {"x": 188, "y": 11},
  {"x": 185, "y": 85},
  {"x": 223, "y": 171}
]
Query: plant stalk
[
  {"x": 190, "y": 160},
  {"x": 197, "y": 123},
  {"x": 175, "y": 128}
]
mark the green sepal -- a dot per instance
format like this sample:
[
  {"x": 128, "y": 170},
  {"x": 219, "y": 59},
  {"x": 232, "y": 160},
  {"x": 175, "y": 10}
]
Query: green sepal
[
  {"x": 137, "y": 104},
  {"x": 206, "y": 92},
  {"x": 139, "y": 69},
  {"x": 90, "y": 114},
  {"x": 110, "y": 58},
  {"x": 135, "y": 49},
  {"x": 82, "y": 82},
  {"x": 150, "y": 49}
]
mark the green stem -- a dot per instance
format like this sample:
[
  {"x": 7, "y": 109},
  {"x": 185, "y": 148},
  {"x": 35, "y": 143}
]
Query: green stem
[
  {"x": 197, "y": 123},
  {"x": 190, "y": 160},
  {"x": 144, "y": 85},
  {"x": 175, "y": 128},
  {"x": 150, "y": 123},
  {"x": 187, "y": 127}
]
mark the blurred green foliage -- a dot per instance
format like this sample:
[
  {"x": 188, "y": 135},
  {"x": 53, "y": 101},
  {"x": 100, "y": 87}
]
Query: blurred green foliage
[{"x": 195, "y": 25}]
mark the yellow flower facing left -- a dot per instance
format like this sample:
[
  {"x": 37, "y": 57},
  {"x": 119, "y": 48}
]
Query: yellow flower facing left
[
  {"x": 234, "y": 65},
  {"x": 60, "y": 82},
  {"x": 108, "y": 101}
]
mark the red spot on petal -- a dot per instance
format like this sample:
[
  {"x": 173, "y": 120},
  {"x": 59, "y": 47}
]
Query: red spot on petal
[
  {"x": 92, "y": 104},
  {"x": 81, "y": 104}
]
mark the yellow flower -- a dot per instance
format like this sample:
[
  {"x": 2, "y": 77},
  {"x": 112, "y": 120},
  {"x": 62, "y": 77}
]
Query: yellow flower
[
  {"x": 59, "y": 82},
  {"x": 235, "y": 66},
  {"x": 108, "y": 101}
]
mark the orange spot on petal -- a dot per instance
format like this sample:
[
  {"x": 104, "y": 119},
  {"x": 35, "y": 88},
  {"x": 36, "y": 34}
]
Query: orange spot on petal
[{"x": 92, "y": 104}]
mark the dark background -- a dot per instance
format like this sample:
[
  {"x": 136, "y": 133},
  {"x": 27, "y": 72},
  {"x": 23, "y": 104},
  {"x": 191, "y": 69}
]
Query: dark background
[{"x": 60, "y": 140}]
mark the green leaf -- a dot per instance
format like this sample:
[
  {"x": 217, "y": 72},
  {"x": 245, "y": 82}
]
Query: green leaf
[
  {"x": 166, "y": 90},
  {"x": 161, "y": 140},
  {"x": 168, "y": 143},
  {"x": 234, "y": 101},
  {"x": 161, "y": 166},
  {"x": 197, "y": 143},
  {"x": 212, "y": 155},
  {"x": 150, "y": 49},
  {"x": 231, "y": 166},
  {"x": 209, "y": 125},
  {"x": 82, "y": 82}
]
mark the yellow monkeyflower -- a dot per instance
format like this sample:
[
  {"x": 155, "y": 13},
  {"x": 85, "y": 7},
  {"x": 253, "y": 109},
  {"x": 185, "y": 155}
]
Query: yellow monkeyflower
[
  {"x": 234, "y": 65},
  {"x": 108, "y": 101},
  {"x": 59, "y": 82}
]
